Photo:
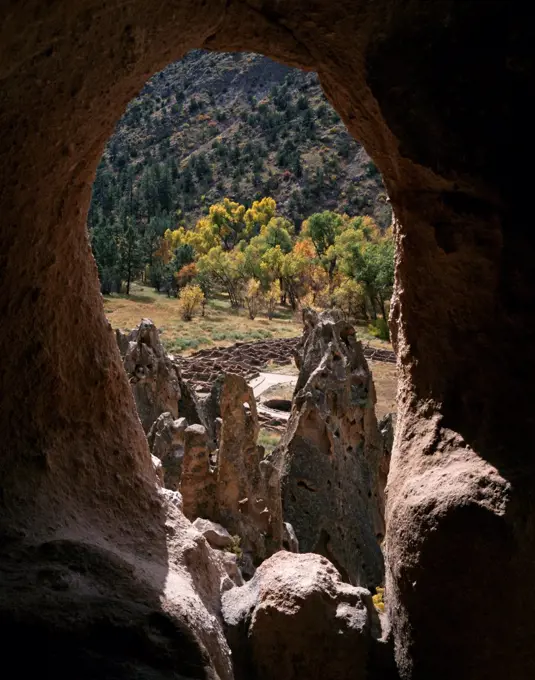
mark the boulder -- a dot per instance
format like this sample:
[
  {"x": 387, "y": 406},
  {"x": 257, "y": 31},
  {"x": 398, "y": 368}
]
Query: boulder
[
  {"x": 331, "y": 453},
  {"x": 296, "y": 619},
  {"x": 229, "y": 560},
  {"x": 166, "y": 442},
  {"x": 216, "y": 535}
]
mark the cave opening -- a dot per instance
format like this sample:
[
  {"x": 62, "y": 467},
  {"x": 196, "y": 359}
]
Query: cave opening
[{"x": 439, "y": 94}]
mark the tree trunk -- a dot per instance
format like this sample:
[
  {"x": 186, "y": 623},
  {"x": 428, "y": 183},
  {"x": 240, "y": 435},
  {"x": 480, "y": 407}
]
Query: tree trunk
[
  {"x": 372, "y": 307},
  {"x": 383, "y": 308}
]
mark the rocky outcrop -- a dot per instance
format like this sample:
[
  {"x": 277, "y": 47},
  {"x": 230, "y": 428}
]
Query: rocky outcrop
[
  {"x": 197, "y": 483},
  {"x": 243, "y": 502},
  {"x": 223, "y": 544},
  {"x": 155, "y": 380},
  {"x": 235, "y": 488},
  {"x": 296, "y": 619},
  {"x": 331, "y": 453},
  {"x": 387, "y": 428},
  {"x": 91, "y": 611},
  {"x": 158, "y": 469},
  {"x": 166, "y": 442}
]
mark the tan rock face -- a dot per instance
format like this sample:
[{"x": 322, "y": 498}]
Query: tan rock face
[
  {"x": 296, "y": 619},
  {"x": 166, "y": 442},
  {"x": 331, "y": 454},
  {"x": 239, "y": 490},
  {"x": 156, "y": 382},
  {"x": 153, "y": 378},
  {"x": 88, "y": 609},
  {"x": 243, "y": 503},
  {"x": 197, "y": 482},
  {"x": 439, "y": 94}
]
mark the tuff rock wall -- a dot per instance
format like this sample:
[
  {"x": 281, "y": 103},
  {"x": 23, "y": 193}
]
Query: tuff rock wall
[{"x": 439, "y": 93}]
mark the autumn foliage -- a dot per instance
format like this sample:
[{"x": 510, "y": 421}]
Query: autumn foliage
[{"x": 260, "y": 259}]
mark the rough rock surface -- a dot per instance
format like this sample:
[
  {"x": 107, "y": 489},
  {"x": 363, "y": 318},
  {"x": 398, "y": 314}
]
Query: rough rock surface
[
  {"x": 440, "y": 95},
  {"x": 296, "y": 619},
  {"x": 158, "y": 469},
  {"x": 197, "y": 482},
  {"x": 154, "y": 378},
  {"x": 166, "y": 442},
  {"x": 331, "y": 453},
  {"x": 229, "y": 561},
  {"x": 91, "y": 611},
  {"x": 387, "y": 428},
  {"x": 216, "y": 535},
  {"x": 240, "y": 490},
  {"x": 244, "y": 505}
]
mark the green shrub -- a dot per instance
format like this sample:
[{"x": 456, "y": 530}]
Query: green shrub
[
  {"x": 180, "y": 344},
  {"x": 235, "y": 547},
  {"x": 379, "y": 329}
]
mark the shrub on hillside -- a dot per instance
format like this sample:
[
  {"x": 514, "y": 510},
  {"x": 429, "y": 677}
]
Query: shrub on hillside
[
  {"x": 253, "y": 297},
  {"x": 189, "y": 300}
]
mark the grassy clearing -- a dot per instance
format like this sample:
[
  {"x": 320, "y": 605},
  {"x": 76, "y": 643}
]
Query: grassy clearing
[
  {"x": 224, "y": 326},
  {"x": 221, "y": 325},
  {"x": 286, "y": 369},
  {"x": 268, "y": 439}
]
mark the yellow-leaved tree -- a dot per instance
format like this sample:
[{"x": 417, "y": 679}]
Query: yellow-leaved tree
[
  {"x": 350, "y": 298},
  {"x": 190, "y": 300},
  {"x": 226, "y": 270},
  {"x": 253, "y": 297},
  {"x": 258, "y": 215},
  {"x": 272, "y": 298}
]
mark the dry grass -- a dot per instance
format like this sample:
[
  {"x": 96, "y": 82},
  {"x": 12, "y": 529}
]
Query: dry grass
[
  {"x": 386, "y": 381},
  {"x": 286, "y": 369},
  {"x": 268, "y": 439},
  {"x": 221, "y": 325}
]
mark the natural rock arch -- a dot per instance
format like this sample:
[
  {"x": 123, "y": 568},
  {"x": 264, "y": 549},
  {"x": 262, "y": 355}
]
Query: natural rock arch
[{"x": 439, "y": 94}]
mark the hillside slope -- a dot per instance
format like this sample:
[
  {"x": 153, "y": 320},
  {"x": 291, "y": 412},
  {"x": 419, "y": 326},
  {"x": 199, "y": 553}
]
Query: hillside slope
[{"x": 236, "y": 125}]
